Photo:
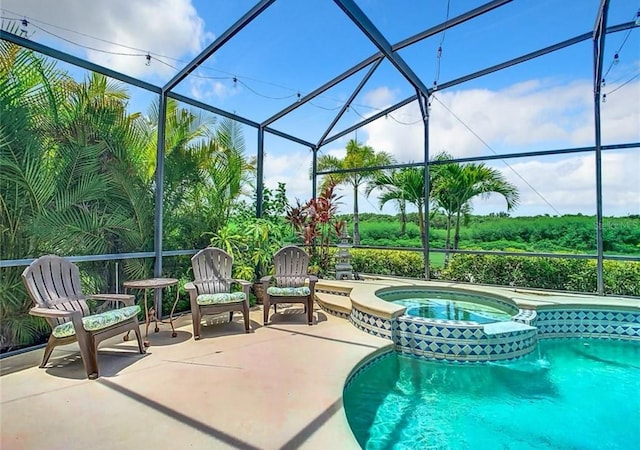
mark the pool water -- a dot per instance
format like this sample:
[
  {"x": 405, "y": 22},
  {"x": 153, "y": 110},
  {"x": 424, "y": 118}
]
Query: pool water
[
  {"x": 452, "y": 310},
  {"x": 574, "y": 394}
]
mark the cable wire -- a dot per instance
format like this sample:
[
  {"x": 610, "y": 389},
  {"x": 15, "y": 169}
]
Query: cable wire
[
  {"x": 617, "y": 53},
  {"x": 624, "y": 84},
  {"x": 403, "y": 123},
  {"x": 496, "y": 153},
  {"x": 436, "y": 77},
  {"x": 149, "y": 55}
]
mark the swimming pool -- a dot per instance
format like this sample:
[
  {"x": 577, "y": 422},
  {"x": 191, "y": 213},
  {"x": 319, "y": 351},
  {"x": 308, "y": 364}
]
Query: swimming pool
[{"x": 572, "y": 394}]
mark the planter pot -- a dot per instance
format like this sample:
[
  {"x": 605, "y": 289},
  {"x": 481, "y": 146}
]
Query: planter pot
[{"x": 258, "y": 291}]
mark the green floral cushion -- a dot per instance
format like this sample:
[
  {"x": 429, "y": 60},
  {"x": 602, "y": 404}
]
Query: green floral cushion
[
  {"x": 98, "y": 321},
  {"x": 221, "y": 298},
  {"x": 288, "y": 291}
]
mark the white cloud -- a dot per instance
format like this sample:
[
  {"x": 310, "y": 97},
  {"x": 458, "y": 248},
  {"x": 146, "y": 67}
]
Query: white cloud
[
  {"x": 203, "y": 89},
  {"x": 380, "y": 98},
  {"x": 529, "y": 116},
  {"x": 568, "y": 185},
  {"x": 526, "y": 116},
  {"x": 292, "y": 169},
  {"x": 166, "y": 27}
]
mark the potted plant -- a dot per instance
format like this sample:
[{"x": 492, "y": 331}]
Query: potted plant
[
  {"x": 252, "y": 243},
  {"x": 263, "y": 238}
]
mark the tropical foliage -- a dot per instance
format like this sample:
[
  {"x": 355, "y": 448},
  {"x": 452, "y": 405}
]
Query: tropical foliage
[
  {"x": 403, "y": 263},
  {"x": 251, "y": 240},
  {"x": 620, "y": 277},
  {"x": 78, "y": 178},
  {"x": 559, "y": 274},
  {"x": 545, "y": 234}
]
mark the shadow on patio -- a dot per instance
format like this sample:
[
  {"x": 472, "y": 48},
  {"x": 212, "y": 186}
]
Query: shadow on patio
[{"x": 277, "y": 387}]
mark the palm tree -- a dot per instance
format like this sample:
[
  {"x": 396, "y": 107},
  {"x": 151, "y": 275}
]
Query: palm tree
[
  {"x": 206, "y": 171},
  {"x": 455, "y": 185},
  {"x": 77, "y": 175},
  {"x": 443, "y": 195},
  {"x": 25, "y": 80},
  {"x": 358, "y": 157},
  {"x": 402, "y": 186},
  {"x": 389, "y": 184},
  {"x": 63, "y": 156},
  {"x": 227, "y": 176},
  {"x": 99, "y": 203}
]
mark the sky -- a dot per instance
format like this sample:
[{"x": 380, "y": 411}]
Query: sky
[{"x": 295, "y": 46}]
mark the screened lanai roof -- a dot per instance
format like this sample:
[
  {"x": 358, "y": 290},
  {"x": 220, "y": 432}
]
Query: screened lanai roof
[
  {"x": 295, "y": 66},
  {"x": 503, "y": 77},
  {"x": 481, "y": 80}
]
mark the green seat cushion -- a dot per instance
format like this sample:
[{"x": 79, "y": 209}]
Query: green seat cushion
[
  {"x": 98, "y": 321},
  {"x": 302, "y": 291},
  {"x": 221, "y": 298}
]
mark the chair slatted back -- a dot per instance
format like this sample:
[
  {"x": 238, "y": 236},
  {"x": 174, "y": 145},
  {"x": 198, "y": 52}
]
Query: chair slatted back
[
  {"x": 291, "y": 265},
  {"x": 212, "y": 270},
  {"x": 54, "y": 282}
]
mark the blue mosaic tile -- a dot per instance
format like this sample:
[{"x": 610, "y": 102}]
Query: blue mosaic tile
[
  {"x": 589, "y": 322},
  {"x": 333, "y": 312},
  {"x": 371, "y": 324},
  {"x": 459, "y": 341}
]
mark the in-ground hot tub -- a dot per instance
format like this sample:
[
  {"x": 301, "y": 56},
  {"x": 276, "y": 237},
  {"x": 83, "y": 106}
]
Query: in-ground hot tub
[
  {"x": 450, "y": 305},
  {"x": 457, "y": 325}
]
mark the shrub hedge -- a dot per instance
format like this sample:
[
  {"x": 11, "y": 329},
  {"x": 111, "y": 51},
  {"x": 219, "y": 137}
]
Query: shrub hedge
[
  {"x": 620, "y": 277},
  {"x": 403, "y": 263},
  {"x": 562, "y": 274}
]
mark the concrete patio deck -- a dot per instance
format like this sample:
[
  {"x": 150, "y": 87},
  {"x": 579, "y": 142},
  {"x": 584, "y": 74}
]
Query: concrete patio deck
[{"x": 278, "y": 387}]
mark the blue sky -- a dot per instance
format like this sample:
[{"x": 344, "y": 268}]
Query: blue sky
[{"x": 296, "y": 46}]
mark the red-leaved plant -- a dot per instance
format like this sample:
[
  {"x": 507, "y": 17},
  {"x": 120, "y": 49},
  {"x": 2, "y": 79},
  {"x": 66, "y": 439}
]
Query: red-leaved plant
[{"x": 315, "y": 223}]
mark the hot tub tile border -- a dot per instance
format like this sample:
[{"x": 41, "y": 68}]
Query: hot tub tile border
[
  {"x": 378, "y": 326},
  {"x": 333, "y": 312},
  {"x": 466, "y": 341}
]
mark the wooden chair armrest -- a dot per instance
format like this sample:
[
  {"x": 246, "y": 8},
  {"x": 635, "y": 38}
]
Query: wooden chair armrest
[
  {"x": 312, "y": 283},
  {"x": 266, "y": 281},
  {"x": 190, "y": 287},
  {"x": 127, "y": 299},
  {"x": 246, "y": 287},
  {"x": 53, "y": 313},
  {"x": 197, "y": 286}
]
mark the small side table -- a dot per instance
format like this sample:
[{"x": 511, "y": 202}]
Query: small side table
[{"x": 151, "y": 314}]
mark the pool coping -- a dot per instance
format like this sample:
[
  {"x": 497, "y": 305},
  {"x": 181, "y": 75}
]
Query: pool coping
[
  {"x": 362, "y": 294},
  {"x": 541, "y": 314}
]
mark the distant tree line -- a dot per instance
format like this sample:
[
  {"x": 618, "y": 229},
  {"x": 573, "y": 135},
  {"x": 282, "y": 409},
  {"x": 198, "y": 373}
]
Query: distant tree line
[{"x": 562, "y": 234}]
